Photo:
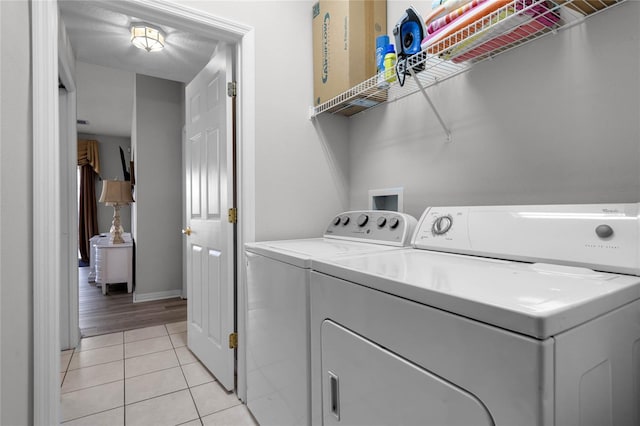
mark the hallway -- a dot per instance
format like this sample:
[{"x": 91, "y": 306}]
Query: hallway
[{"x": 116, "y": 311}]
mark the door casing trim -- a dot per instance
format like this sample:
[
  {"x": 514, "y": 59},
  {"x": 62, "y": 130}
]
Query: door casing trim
[{"x": 46, "y": 176}]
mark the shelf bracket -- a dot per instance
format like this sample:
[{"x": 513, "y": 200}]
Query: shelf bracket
[
  {"x": 433, "y": 107},
  {"x": 312, "y": 113}
]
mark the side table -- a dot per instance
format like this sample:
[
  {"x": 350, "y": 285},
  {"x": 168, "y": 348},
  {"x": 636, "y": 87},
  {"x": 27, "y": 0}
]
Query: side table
[
  {"x": 114, "y": 264},
  {"x": 97, "y": 240}
]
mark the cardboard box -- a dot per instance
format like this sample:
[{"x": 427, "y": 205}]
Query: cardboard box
[
  {"x": 344, "y": 44},
  {"x": 586, "y": 7}
]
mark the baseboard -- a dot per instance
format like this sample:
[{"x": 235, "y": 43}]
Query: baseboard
[{"x": 147, "y": 297}]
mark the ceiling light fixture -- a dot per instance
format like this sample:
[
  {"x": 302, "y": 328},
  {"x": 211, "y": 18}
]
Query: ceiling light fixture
[{"x": 147, "y": 37}]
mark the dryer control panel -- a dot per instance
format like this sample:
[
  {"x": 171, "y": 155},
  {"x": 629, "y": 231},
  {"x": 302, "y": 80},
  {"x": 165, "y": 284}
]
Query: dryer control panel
[
  {"x": 373, "y": 226},
  {"x": 604, "y": 237}
]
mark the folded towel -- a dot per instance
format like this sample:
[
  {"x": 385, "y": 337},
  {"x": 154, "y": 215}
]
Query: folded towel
[
  {"x": 482, "y": 20},
  {"x": 470, "y": 22},
  {"x": 540, "y": 11},
  {"x": 450, "y": 17},
  {"x": 530, "y": 29},
  {"x": 500, "y": 25},
  {"x": 444, "y": 8}
]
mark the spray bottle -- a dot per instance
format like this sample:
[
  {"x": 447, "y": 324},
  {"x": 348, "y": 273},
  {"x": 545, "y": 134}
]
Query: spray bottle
[{"x": 390, "y": 64}]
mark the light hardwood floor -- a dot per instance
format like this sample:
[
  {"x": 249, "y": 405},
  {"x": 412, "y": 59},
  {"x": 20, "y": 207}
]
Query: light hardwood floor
[{"x": 116, "y": 311}]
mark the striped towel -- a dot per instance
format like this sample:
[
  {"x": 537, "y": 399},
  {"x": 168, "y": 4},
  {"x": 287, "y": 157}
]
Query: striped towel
[
  {"x": 465, "y": 26},
  {"x": 450, "y": 17},
  {"x": 498, "y": 26},
  {"x": 530, "y": 29}
]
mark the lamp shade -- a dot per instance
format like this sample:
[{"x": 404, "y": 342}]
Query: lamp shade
[
  {"x": 116, "y": 192},
  {"x": 147, "y": 37}
]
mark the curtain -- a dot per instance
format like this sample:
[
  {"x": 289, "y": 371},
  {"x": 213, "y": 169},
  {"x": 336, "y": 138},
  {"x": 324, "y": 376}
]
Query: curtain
[
  {"x": 88, "y": 154},
  {"x": 89, "y": 163}
]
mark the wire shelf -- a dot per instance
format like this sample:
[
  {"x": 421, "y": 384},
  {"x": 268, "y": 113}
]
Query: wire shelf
[{"x": 516, "y": 23}]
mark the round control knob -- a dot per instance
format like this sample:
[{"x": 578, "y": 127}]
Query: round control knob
[
  {"x": 604, "y": 231},
  {"x": 394, "y": 222},
  {"x": 362, "y": 220},
  {"x": 336, "y": 221},
  {"x": 381, "y": 221},
  {"x": 345, "y": 220},
  {"x": 442, "y": 225}
]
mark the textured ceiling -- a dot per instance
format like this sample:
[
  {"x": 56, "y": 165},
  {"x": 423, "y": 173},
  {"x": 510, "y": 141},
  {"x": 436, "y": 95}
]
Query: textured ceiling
[{"x": 102, "y": 37}]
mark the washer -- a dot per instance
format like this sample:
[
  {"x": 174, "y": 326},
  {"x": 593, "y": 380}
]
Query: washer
[
  {"x": 502, "y": 315},
  {"x": 278, "y": 359}
]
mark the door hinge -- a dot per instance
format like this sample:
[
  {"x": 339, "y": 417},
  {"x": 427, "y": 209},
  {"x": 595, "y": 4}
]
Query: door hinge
[
  {"x": 231, "y": 89},
  {"x": 233, "y": 215},
  {"x": 233, "y": 341}
]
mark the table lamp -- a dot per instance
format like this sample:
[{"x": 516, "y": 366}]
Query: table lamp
[{"x": 116, "y": 193}]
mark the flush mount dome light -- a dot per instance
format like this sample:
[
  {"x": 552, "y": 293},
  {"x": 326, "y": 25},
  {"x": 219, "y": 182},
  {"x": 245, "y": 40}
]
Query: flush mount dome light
[{"x": 147, "y": 37}]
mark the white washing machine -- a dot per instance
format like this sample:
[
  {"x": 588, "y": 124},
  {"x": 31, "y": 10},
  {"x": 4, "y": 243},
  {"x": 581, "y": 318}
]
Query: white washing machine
[
  {"x": 498, "y": 316},
  {"x": 278, "y": 359}
]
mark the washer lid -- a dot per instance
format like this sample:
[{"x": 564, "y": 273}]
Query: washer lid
[
  {"x": 300, "y": 252},
  {"x": 539, "y": 300}
]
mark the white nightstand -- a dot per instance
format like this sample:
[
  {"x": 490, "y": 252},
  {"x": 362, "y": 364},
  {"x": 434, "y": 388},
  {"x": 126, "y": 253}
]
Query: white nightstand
[
  {"x": 114, "y": 264},
  {"x": 100, "y": 240}
]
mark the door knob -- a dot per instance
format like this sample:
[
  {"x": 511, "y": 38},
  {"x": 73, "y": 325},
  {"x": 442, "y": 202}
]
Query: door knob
[{"x": 187, "y": 231}]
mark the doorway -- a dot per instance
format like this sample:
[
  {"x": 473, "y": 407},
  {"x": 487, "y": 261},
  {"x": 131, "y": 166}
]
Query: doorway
[
  {"x": 47, "y": 255},
  {"x": 105, "y": 103}
]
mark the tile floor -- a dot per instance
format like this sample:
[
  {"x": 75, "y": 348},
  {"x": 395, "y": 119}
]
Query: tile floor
[{"x": 143, "y": 377}]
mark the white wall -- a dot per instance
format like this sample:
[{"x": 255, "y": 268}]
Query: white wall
[
  {"x": 566, "y": 145},
  {"x": 158, "y": 166},
  {"x": 66, "y": 54},
  {"x": 105, "y": 99},
  {"x": 16, "y": 247},
  {"x": 555, "y": 121},
  {"x": 300, "y": 165},
  {"x": 111, "y": 168}
]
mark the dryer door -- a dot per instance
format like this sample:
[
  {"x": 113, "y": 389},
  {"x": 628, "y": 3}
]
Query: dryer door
[{"x": 365, "y": 384}]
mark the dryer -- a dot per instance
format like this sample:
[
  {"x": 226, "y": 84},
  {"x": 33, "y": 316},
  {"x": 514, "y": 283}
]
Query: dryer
[
  {"x": 499, "y": 315},
  {"x": 278, "y": 359}
]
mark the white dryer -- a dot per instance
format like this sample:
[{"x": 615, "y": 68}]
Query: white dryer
[
  {"x": 501, "y": 315},
  {"x": 278, "y": 359}
]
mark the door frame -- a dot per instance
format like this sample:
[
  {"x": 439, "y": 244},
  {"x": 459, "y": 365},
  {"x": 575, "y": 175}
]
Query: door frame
[
  {"x": 66, "y": 73},
  {"x": 69, "y": 303},
  {"x": 46, "y": 173}
]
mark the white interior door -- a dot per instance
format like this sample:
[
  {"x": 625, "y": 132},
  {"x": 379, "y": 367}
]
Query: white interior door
[{"x": 209, "y": 194}]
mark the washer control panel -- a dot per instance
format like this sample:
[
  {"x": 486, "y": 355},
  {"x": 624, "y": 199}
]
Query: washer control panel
[
  {"x": 375, "y": 226},
  {"x": 603, "y": 237}
]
